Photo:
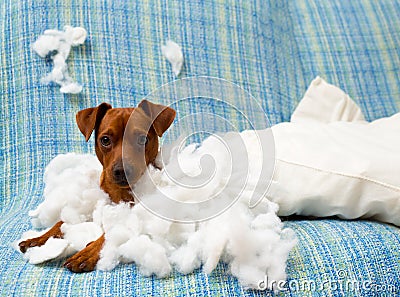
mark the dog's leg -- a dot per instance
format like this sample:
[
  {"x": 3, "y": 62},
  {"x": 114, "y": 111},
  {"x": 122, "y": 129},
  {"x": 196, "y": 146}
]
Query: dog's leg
[
  {"x": 86, "y": 259},
  {"x": 55, "y": 232}
]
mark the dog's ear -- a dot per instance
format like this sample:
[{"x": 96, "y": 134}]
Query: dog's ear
[
  {"x": 89, "y": 119},
  {"x": 160, "y": 115}
]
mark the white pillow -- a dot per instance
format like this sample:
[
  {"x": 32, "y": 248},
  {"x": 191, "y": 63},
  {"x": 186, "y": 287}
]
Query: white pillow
[{"x": 330, "y": 161}]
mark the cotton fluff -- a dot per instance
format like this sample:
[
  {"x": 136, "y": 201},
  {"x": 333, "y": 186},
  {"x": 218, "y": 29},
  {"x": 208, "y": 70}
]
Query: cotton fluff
[
  {"x": 173, "y": 53},
  {"x": 57, "y": 45},
  {"x": 72, "y": 191},
  {"x": 252, "y": 241}
]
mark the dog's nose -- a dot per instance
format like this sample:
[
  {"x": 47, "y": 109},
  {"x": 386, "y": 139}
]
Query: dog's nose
[{"x": 121, "y": 175}]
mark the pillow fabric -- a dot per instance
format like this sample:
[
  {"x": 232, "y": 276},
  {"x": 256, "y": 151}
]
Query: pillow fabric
[{"x": 329, "y": 161}]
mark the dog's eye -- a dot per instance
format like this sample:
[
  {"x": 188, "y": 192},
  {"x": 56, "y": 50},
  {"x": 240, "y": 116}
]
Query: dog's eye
[
  {"x": 105, "y": 141},
  {"x": 142, "y": 139}
]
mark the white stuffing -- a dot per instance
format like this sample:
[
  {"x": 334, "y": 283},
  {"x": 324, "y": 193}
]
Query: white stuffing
[
  {"x": 79, "y": 235},
  {"x": 54, "y": 248},
  {"x": 173, "y": 53},
  {"x": 76, "y": 237},
  {"x": 58, "y": 45},
  {"x": 252, "y": 241},
  {"x": 72, "y": 191}
]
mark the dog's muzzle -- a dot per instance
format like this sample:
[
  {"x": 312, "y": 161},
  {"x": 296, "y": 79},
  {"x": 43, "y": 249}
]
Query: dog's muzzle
[{"x": 122, "y": 174}]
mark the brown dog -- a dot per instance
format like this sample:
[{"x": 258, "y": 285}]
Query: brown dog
[{"x": 124, "y": 162}]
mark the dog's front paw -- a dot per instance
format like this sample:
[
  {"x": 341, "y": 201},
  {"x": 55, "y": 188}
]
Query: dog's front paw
[
  {"x": 86, "y": 259},
  {"x": 55, "y": 232},
  {"x": 37, "y": 241}
]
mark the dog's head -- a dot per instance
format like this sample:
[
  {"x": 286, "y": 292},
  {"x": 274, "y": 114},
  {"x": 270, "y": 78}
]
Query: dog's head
[{"x": 126, "y": 141}]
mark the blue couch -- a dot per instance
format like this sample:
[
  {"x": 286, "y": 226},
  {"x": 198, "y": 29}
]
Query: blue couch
[{"x": 271, "y": 48}]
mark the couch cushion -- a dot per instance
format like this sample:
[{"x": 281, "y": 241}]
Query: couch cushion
[{"x": 271, "y": 48}]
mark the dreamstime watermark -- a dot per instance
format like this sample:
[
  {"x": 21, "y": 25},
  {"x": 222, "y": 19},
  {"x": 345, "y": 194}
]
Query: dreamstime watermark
[
  {"x": 204, "y": 182},
  {"x": 340, "y": 283}
]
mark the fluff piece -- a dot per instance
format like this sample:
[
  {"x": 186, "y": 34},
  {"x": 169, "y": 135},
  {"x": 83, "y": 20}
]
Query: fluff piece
[
  {"x": 252, "y": 241},
  {"x": 53, "y": 249},
  {"x": 72, "y": 191},
  {"x": 57, "y": 45},
  {"x": 76, "y": 237},
  {"x": 173, "y": 53},
  {"x": 79, "y": 235}
]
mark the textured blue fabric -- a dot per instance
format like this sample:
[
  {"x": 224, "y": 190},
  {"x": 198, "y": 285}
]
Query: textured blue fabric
[{"x": 273, "y": 49}]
